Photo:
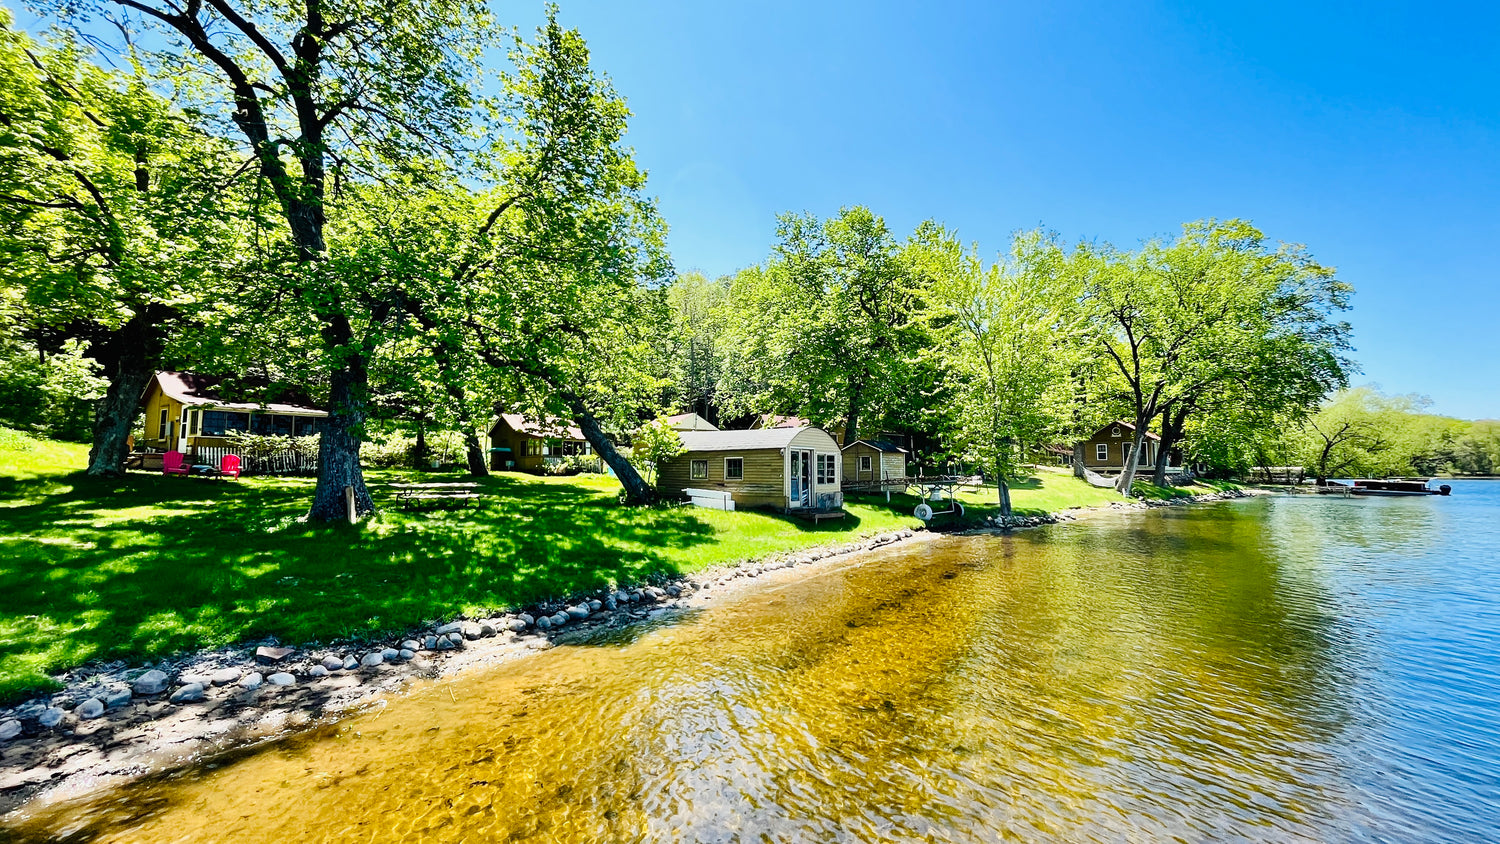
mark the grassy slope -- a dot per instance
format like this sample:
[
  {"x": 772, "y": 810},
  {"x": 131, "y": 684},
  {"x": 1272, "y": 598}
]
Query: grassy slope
[{"x": 149, "y": 566}]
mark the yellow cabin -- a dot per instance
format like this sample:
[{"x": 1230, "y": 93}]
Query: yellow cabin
[{"x": 185, "y": 412}]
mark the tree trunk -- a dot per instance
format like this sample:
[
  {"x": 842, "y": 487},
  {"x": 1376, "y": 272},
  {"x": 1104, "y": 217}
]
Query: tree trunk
[
  {"x": 1127, "y": 472},
  {"x": 1171, "y": 434},
  {"x": 1004, "y": 489},
  {"x": 851, "y": 421},
  {"x": 338, "y": 447},
  {"x": 474, "y": 455},
  {"x": 1079, "y": 469},
  {"x": 419, "y": 451},
  {"x": 130, "y": 355},
  {"x": 637, "y": 491},
  {"x": 115, "y": 414}
]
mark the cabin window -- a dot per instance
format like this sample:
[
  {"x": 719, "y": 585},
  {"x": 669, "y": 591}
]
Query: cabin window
[
  {"x": 1145, "y": 454},
  {"x": 700, "y": 470},
  {"x": 864, "y": 462},
  {"x": 1115, "y": 432},
  {"x": 734, "y": 468},
  {"x": 271, "y": 424},
  {"x": 217, "y": 423},
  {"x": 1101, "y": 451},
  {"x": 161, "y": 425},
  {"x": 827, "y": 471}
]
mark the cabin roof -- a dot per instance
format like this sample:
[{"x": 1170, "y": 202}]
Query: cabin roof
[
  {"x": 739, "y": 440},
  {"x": 884, "y": 446},
  {"x": 191, "y": 388},
  {"x": 552, "y": 427},
  {"x": 696, "y": 422},
  {"x": 772, "y": 420},
  {"x": 1129, "y": 426}
]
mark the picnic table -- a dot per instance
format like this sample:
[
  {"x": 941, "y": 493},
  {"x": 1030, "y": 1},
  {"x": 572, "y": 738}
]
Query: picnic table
[{"x": 436, "y": 493}]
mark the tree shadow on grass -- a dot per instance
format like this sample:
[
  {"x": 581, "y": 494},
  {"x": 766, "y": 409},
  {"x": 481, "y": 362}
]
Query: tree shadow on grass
[{"x": 152, "y": 566}]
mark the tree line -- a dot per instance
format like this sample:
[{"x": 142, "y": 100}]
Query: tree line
[{"x": 423, "y": 215}]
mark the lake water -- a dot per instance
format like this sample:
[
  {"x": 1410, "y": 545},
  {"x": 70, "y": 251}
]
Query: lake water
[{"x": 1281, "y": 669}]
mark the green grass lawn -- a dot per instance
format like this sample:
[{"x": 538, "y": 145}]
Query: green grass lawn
[{"x": 148, "y": 566}]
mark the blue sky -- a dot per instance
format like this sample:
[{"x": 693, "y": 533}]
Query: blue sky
[{"x": 1371, "y": 133}]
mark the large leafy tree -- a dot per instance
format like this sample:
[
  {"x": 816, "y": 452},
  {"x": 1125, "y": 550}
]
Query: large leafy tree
[
  {"x": 1006, "y": 335},
  {"x": 318, "y": 93},
  {"x": 119, "y": 220},
  {"x": 828, "y": 328},
  {"x": 1185, "y": 325}
]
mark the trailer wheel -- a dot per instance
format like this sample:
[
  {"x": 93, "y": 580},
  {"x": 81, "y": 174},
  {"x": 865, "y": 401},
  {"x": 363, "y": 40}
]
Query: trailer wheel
[
  {"x": 923, "y": 512},
  {"x": 958, "y": 508}
]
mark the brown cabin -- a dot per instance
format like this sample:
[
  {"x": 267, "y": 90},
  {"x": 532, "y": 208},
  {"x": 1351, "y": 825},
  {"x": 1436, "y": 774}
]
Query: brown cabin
[
  {"x": 867, "y": 461},
  {"x": 184, "y": 411},
  {"x": 521, "y": 445},
  {"x": 1108, "y": 449},
  {"x": 782, "y": 468}
]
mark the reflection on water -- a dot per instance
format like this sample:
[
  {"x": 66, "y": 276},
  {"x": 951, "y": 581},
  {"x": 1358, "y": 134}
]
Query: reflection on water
[{"x": 1289, "y": 669}]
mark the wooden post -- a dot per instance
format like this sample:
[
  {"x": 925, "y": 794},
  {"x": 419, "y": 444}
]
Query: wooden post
[{"x": 349, "y": 502}]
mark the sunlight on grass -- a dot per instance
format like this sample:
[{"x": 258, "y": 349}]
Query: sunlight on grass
[{"x": 149, "y": 566}]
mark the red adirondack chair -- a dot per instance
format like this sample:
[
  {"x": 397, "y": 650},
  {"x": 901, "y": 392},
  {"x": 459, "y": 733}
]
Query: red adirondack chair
[
  {"x": 172, "y": 464},
  {"x": 229, "y": 466}
]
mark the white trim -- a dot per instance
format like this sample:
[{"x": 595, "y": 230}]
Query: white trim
[
  {"x": 1101, "y": 452},
  {"x": 742, "y": 468},
  {"x": 693, "y": 466},
  {"x": 1115, "y": 432}
]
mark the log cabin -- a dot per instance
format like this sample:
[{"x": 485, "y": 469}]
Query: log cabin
[
  {"x": 786, "y": 469},
  {"x": 867, "y": 461},
  {"x": 1107, "y": 450},
  {"x": 185, "y": 411},
  {"x": 522, "y": 445}
]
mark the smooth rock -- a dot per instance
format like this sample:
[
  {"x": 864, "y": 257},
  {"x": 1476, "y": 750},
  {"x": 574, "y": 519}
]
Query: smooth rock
[
  {"x": 194, "y": 677},
  {"x": 526, "y": 618},
  {"x": 317, "y": 671},
  {"x": 486, "y": 629},
  {"x": 432, "y": 642},
  {"x": 457, "y": 639},
  {"x": 559, "y": 619},
  {"x": 676, "y": 591},
  {"x": 351, "y": 663},
  {"x": 225, "y": 676},
  {"x": 444, "y": 644},
  {"x": 622, "y": 596},
  {"x": 252, "y": 680},
  {"x": 611, "y": 603},
  {"x": 270, "y": 656},
  {"x": 470, "y": 631},
  {"x": 411, "y": 645},
  {"x": 191, "y": 693},
  {"x": 595, "y": 606},
  {"x": 408, "y": 653},
  {"x": 153, "y": 682},
  {"x": 451, "y": 627},
  {"x": 389, "y": 654},
  {"x": 578, "y": 613},
  {"x": 116, "y": 697},
  {"x": 515, "y": 625},
  {"x": 544, "y": 623},
  {"x": 90, "y": 709},
  {"x": 332, "y": 663},
  {"x": 10, "y": 729},
  {"x": 281, "y": 678},
  {"x": 51, "y": 717},
  {"x": 372, "y": 659}
]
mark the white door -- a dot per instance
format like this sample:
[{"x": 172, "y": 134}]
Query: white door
[{"x": 801, "y": 479}]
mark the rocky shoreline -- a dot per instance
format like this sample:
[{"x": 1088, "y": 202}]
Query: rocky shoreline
[{"x": 115, "y": 722}]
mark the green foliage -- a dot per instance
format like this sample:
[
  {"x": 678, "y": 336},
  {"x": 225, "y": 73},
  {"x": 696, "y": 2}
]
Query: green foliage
[
  {"x": 827, "y": 329},
  {"x": 1005, "y": 335},
  {"x": 51, "y": 394},
  {"x": 654, "y": 444}
]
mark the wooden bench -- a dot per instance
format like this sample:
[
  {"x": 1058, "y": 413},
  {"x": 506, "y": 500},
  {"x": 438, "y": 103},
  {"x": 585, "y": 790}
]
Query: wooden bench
[{"x": 436, "y": 493}]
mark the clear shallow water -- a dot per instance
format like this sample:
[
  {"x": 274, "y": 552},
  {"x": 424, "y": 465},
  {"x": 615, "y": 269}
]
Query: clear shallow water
[{"x": 1280, "y": 669}]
